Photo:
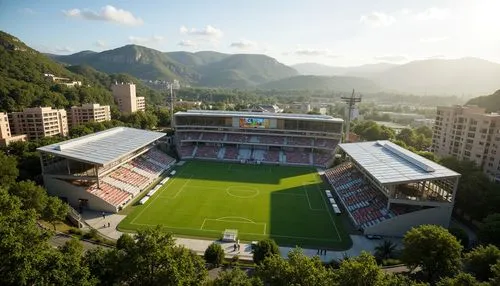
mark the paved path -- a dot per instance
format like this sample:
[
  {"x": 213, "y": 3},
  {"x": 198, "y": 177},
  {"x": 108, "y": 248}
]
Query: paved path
[
  {"x": 60, "y": 239},
  {"x": 360, "y": 243}
]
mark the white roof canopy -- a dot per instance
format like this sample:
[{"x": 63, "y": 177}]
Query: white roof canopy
[
  {"x": 389, "y": 163},
  {"x": 103, "y": 147}
]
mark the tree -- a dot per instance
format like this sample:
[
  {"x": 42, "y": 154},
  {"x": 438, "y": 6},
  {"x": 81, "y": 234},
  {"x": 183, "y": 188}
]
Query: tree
[
  {"x": 31, "y": 195},
  {"x": 66, "y": 266},
  {"x": 362, "y": 271},
  {"x": 8, "y": 170},
  {"x": 214, "y": 254},
  {"x": 125, "y": 241},
  {"x": 462, "y": 279},
  {"x": 55, "y": 210},
  {"x": 297, "y": 270},
  {"x": 385, "y": 249},
  {"x": 235, "y": 277},
  {"x": 23, "y": 245},
  {"x": 495, "y": 269},
  {"x": 434, "y": 249},
  {"x": 489, "y": 232},
  {"x": 406, "y": 135},
  {"x": 154, "y": 259},
  {"x": 461, "y": 235},
  {"x": 480, "y": 260},
  {"x": 263, "y": 249}
]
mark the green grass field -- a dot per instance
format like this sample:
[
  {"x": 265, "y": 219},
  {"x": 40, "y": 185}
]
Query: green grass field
[{"x": 205, "y": 198}]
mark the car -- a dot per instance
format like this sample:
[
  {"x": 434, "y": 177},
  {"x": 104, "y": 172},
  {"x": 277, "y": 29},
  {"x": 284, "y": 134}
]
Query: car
[{"x": 373, "y": 236}]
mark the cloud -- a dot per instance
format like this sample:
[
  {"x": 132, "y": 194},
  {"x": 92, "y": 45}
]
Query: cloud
[
  {"x": 100, "y": 44},
  {"x": 107, "y": 13},
  {"x": 244, "y": 44},
  {"x": 187, "y": 43},
  {"x": 312, "y": 52},
  {"x": 146, "y": 40},
  {"x": 433, "y": 13},
  {"x": 377, "y": 19},
  {"x": 208, "y": 31},
  {"x": 391, "y": 58},
  {"x": 434, "y": 39}
]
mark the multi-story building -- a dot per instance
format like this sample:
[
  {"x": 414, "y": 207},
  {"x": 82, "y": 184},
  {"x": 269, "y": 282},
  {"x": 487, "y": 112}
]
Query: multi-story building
[
  {"x": 126, "y": 98},
  {"x": 469, "y": 133},
  {"x": 89, "y": 113},
  {"x": 141, "y": 103},
  {"x": 39, "y": 122},
  {"x": 5, "y": 135}
]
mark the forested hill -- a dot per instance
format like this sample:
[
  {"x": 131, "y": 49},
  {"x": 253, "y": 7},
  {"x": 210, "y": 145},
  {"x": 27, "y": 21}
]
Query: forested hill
[
  {"x": 22, "y": 81},
  {"x": 490, "y": 102},
  {"x": 199, "y": 69}
]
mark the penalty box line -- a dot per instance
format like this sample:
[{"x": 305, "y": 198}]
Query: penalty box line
[
  {"x": 249, "y": 233},
  {"x": 234, "y": 221}
]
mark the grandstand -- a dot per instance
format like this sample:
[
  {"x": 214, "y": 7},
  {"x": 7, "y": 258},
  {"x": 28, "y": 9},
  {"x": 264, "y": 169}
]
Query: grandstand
[
  {"x": 256, "y": 137},
  {"x": 387, "y": 189},
  {"x": 104, "y": 171}
]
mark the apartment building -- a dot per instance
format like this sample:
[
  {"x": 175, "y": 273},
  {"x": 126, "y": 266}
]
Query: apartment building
[
  {"x": 5, "y": 135},
  {"x": 91, "y": 112},
  {"x": 469, "y": 133},
  {"x": 39, "y": 122},
  {"x": 126, "y": 98}
]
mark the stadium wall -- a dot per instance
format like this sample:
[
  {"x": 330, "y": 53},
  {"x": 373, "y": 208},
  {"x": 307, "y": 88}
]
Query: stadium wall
[
  {"x": 399, "y": 225},
  {"x": 73, "y": 193}
]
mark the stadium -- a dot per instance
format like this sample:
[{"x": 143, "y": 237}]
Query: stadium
[
  {"x": 255, "y": 175},
  {"x": 103, "y": 171},
  {"x": 256, "y": 137}
]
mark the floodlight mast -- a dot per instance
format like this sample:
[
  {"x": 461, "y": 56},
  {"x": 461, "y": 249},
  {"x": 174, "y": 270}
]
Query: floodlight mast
[
  {"x": 175, "y": 85},
  {"x": 351, "y": 103}
]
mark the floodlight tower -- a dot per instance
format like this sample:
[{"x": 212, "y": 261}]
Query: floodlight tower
[
  {"x": 175, "y": 85},
  {"x": 351, "y": 103}
]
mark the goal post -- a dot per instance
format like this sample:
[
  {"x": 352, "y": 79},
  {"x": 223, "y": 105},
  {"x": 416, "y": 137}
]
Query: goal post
[{"x": 230, "y": 235}]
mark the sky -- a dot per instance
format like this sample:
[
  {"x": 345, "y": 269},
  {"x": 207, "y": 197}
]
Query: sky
[{"x": 331, "y": 32}]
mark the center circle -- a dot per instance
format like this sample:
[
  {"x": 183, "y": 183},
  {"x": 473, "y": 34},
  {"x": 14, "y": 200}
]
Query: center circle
[{"x": 242, "y": 192}]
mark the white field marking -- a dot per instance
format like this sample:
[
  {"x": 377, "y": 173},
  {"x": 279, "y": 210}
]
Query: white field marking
[
  {"x": 308, "y": 201},
  {"x": 249, "y": 233},
  {"x": 162, "y": 189},
  {"x": 201, "y": 227},
  {"x": 329, "y": 212},
  {"x": 182, "y": 188},
  {"x": 236, "y": 217},
  {"x": 225, "y": 219},
  {"x": 241, "y": 188}
]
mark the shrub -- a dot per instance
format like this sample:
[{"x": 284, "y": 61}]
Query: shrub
[{"x": 214, "y": 254}]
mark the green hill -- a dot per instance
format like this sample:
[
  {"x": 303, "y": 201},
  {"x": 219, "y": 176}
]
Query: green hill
[
  {"x": 23, "y": 84},
  {"x": 135, "y": 60},
  {"x": 312, "y": 82},
  {"x": 204, "y": 68},
  {"x": 244, "y": 70},
  {"x": 490, "y": 102}
]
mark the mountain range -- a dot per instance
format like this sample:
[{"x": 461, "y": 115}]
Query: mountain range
[{"x": 466, "y": 76}]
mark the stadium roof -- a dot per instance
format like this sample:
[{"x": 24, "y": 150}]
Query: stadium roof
[
  {"x": 220, "y": 113},
  {"x": 389, "y": 163},
  {"x": 103, "y": 147}
]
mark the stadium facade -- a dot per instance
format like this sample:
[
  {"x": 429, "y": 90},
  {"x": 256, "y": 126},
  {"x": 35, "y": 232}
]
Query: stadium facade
[
  {"x": 387, "y": 189},
  {"x": 285, "y": 139},
  {"x": 104, "y": 171}
]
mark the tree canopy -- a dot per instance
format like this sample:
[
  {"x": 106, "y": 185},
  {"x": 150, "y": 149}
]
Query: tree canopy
[{"x": 434, "y": 249}]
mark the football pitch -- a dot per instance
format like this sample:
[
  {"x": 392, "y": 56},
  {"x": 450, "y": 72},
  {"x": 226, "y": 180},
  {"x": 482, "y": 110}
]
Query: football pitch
[{"x": 205, "y": 198}]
